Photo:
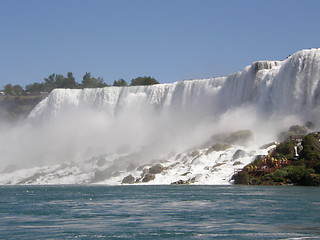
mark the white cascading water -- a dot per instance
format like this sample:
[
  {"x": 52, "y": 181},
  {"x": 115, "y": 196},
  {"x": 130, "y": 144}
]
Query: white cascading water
[
  {"x": 287, "y": 87},
  {"x": 103, "y": 135}
]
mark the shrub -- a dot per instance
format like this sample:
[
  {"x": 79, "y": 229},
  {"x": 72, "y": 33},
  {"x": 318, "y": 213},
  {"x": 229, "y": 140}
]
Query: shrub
[
  {"x": 284, "y": 150},
  {"x": 310, "y": 154},
  {"x": 279, "y": 175},
  {"x": 241, "y": 178},
  {"x": 120, "y": 83},
  {"x": 299, "y": 174},
  {"x": 143, "y": 81}
]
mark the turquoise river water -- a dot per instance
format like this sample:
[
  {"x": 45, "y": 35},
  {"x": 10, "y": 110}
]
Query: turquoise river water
[{"x": 159, "y": 212}]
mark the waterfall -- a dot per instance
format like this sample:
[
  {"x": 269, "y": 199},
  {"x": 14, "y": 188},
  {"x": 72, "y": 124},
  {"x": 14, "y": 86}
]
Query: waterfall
[
  {"x": 284, "y": 87},
  {"x": 104, "y": 134}
]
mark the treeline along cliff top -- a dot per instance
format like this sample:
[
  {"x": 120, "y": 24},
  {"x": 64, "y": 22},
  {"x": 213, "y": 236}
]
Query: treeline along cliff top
[
  {"x": 16, "y": 102},
  {"x": 69, "y": 81}
]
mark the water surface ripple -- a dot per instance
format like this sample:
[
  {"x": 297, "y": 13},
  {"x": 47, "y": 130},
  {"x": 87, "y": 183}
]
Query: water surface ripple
[{"x": 159, "y": 212}]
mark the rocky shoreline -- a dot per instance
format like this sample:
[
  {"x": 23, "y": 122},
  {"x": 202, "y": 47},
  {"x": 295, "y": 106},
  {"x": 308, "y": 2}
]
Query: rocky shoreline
[{"x": 294, "y": 161}]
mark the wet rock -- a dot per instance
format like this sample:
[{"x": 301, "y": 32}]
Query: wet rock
[
  {"x": 173, "y": 165},
  {"x": 237, "y": 163},
  {"x": 31, "y": 179},
  {"x": 218, "y": 147},
  {"x": 261, "y": 65},
  {"x": 138, "y": 180},
  {"x": 128, "y": 179},
  {"x": 292, "y": 131},
  {"x": 148, "y": 177},
  {"x": 265, "y": 146},
  {"x": 241, "y": 137},
  {"x": 194, "y": 153},
  {"x": 158, "y": 168},
  {"x": 300, "y": 130},
  {"x": 145, "y": 171},
  {"x": 238, "y": 154},
  {"x": 310, "y": 125},
  {"x": 185, "y": 160},
  {"x": 217, "y": 165},
  {"x": 179, "y": 182},
  {"x": 196, "y": 160},
  {"x": 241, "y": 178},
  {"x": 184, "y": 182},
  {"x": 192, "y": 180},
  {"x": 185, "y": 174}
]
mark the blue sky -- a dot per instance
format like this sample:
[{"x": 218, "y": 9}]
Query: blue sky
[{"x": 170, "y": 40}]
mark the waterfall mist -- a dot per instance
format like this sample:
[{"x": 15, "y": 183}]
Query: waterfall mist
[{"x": 77, "y": 125}]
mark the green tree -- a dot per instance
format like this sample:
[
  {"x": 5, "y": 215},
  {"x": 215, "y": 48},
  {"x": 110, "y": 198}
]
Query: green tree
[
  {"x": 59, "y": 81},
  {"x": 70, "y": 81},
  {"x": 35, "y": 88},
  {"x": 143, "y": 81},
  {"x": 120, "y": 83},
  {"x": 86, "y": 80},
  {"x": 15, "y": 90},
  {"x": 8, "y": 89},
  {"x": 18, "y": 90},
  {"x": 49, "y": 83},
  {"x": 91, "y": 82}
]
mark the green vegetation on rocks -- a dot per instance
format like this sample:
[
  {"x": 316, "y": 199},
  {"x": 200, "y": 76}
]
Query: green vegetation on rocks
[
  {"x": 310, "y": 154},
  {"x": 284, "y": 150},
  {"x": 291, "y": 162}
]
